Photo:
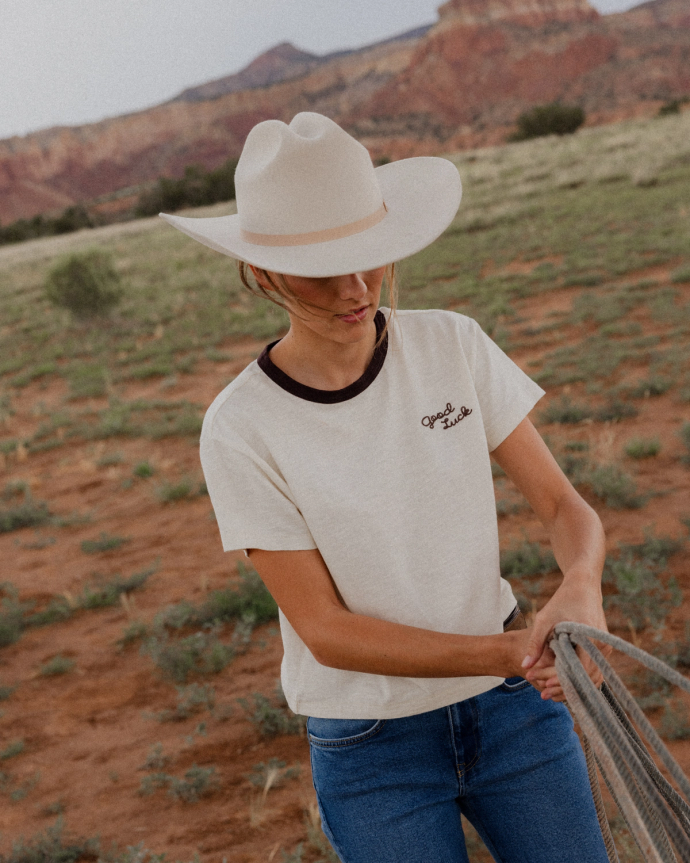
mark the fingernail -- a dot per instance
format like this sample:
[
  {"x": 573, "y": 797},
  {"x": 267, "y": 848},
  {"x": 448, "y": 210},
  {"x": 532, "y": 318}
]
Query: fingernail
[{"x": 526, "y": 661}]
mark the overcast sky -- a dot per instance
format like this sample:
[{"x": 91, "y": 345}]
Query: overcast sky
[{"x": 65, "y": 62}]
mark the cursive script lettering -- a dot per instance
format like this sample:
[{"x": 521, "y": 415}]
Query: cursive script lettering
[
  {"x": 430, "y": 420},
  {"x": 447, "y": 422}
]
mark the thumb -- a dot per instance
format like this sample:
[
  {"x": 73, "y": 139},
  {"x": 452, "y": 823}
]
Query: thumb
[{"x": 536, "y": 644}]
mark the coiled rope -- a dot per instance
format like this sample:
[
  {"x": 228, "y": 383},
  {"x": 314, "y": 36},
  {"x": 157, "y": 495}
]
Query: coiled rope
[{"x": 657, "y": 815}]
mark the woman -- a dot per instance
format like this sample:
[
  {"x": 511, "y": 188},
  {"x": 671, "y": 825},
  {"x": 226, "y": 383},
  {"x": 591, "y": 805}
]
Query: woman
[{"x": 351, "y": 462}]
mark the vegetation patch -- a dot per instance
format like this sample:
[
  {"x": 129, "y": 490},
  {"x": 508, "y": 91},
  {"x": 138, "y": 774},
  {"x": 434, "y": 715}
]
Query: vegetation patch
[
  {"x": 57, "y": 665},
  {"x": 552, "y": 119},
  {"x": 200, "y": 653},
  {"x": 272, "y": 716},
  {"x": 615, "y": 487},
  {"x": 639, "y": 448},
  {"x": 104, "y": 542}
]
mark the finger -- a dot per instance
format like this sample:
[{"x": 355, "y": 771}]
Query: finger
[
  {"x": 537, "y": 642},
  {"x": 553, "y": 693},
  {"x": 541, "y": 673}
]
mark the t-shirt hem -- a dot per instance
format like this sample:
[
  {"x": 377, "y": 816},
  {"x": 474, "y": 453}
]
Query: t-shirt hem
[{"x": 407, "y": 707}]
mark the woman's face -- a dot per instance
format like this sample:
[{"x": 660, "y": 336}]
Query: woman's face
[{"x": 339, "y": 308}]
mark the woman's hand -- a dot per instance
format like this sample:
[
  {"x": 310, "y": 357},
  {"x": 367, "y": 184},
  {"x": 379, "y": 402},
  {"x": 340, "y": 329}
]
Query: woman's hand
[{"x": 578, "y": 599}]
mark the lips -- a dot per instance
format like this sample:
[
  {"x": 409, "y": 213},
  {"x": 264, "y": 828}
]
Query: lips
[{"x": 354, "y": 316}]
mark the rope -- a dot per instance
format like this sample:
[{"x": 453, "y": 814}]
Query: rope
[{"x": 656, "y": 814}]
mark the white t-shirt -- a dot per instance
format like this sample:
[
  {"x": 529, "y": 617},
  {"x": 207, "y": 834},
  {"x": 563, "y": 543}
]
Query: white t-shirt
[{"x": 390, "y": 478}]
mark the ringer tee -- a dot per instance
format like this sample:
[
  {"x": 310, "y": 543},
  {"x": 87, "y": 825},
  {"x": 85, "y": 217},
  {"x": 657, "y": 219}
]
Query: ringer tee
[{"x": 390, "y": 478}]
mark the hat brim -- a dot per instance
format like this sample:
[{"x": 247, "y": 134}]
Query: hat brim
[{"x": 422, "y": 195}]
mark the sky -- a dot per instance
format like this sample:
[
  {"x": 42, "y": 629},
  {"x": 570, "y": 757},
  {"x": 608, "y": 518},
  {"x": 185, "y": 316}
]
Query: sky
[{"x": 67, "y": 62}]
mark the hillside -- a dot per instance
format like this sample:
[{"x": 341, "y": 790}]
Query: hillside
[
  {"x": 459, "y": 84},
  {"x": 136, "y": 704}
]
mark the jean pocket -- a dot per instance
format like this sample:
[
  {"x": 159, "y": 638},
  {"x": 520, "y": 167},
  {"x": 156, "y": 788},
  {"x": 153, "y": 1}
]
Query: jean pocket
[
  {"x": 513, "y": 684},
  {"x": 341, "y": 732}
]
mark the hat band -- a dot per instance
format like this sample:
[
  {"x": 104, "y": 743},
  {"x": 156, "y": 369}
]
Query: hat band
[{"x": 316, "y": 236}]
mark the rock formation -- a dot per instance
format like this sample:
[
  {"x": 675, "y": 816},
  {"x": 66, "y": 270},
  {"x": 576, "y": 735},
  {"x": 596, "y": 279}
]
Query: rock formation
[{"x": 462, "y": 83}]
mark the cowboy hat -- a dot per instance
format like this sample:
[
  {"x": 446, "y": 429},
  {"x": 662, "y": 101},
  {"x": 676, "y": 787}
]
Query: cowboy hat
[{"x": 311, "y": 203}]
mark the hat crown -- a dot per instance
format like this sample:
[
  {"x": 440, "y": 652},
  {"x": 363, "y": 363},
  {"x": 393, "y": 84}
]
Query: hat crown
[{"x": 305, "y": 177}]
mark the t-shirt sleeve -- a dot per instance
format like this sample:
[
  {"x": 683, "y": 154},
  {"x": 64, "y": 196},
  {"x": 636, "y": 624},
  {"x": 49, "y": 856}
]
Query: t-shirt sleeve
[
  {"x": 505, "y": 393},
  {"x": 251, "y": 501}
]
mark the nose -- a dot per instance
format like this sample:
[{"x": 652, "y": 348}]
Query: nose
[{"x": 351, "y": 287}]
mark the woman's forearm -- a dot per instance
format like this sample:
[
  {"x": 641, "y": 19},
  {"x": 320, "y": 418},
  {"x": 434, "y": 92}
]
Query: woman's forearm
[
  {"x": 578, "y": 541},
  {"x": 355, "y": 642}
]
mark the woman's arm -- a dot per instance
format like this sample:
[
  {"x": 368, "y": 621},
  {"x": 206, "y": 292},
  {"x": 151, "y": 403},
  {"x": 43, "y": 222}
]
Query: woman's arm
[
  {"x": 301, "y": 584},
  {"x": 578, "y": 543}
]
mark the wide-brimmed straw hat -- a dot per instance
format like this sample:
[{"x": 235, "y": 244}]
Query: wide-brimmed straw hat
[{"x": 311, "y": 203}]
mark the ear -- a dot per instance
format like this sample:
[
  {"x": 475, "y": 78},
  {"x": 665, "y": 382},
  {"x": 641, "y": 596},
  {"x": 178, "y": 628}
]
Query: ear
[{"x": 260, "y": 277}]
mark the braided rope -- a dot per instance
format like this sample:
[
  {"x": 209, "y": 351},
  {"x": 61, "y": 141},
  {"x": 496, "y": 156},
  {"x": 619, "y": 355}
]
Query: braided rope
[{"x": 657, "y": 815}]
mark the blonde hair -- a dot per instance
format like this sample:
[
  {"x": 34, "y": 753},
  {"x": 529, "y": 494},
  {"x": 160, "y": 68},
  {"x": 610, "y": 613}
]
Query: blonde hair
[{"x": 280, "y": 288}]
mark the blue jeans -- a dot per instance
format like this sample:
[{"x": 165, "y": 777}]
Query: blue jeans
[{"x": 392, "y": 790}]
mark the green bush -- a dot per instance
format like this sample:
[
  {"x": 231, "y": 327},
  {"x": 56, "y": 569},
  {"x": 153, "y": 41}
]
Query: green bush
[
  {"x": 200, "y": 653},
  {"x": 143, "y": 470},
  {"x": 643, "y": 447},
  {"x": 57, "y": 665},
  {"x": 615, "y": 487},
  {"x": 564, "y": 411},
  {"x": 87, "y": 284},
  {"x": 552, "y": 119},
  {"x": 684, "y": 436},
  {"x": 272, "y": 718},
  {"x": 50, "y": 847},
  {"x": 614, "y": 411},
  {"x": 104, "y": 593},
  {"x": 29, "y": 513},
  {"x": 249, "y": 601},
  {"x": 104, "y": 542},
  {"x": 196, "y": 188},
  {"x": 527, "y": 559}
]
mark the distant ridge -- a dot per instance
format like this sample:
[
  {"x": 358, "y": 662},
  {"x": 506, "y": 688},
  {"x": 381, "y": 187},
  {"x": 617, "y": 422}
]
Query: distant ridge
[
  {"x": 458, "y": 84},
  {"x": 283, "y": 62}
]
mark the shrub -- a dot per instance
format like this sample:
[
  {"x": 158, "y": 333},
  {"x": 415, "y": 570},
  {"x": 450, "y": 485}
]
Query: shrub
[
  {"x": 675, "y": 722},
  {"x": 681, "y": 276},
  {"x": 12, "y": 749},
  {"x": 641, "y": 596},
  {"x": 527, "y": 559},
  {"x": 11, "y": 614},
  {"x": 272, "y": 718},
  {"x": 87, "y": 284},
  {"x": 551, "y": 119},
  {"x": 684, "y": 436},
  {"x": 273, "y": 774},
  {"x": 654, "y": 386},
  {"x": 57, "y": 665},
  {"x": 615, "y": 487},
  {"x": 614, "y": 411},
  {"x": 170, "y": 492},
  {"x": 104, "y": 542},
  {"x": 197, "y": 782},
  {"x": 50, "y": 847},
  {"x": 29, "y": 513},
  {"x": 643, "y": 447},
  {"x": 564, "y": 411},
  {"x": 196, "y": 188},
  {"x": 200, "y": 653},
  {"x": 104, "y": 593},
  {"x": 250, "y": 601},
  {"x": 143, "y": 470},
  {"x": 190, "y": 700}
]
